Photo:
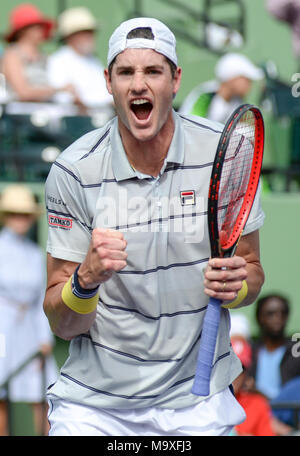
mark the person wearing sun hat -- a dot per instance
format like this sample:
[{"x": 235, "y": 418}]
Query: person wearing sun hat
[
  {"x": 75, "y": 61},
  {"x": 18, "y": 199},
  {"x": 26, "y": 15},
  {"x": 22, "y": 321},
  {"x": 23, "y": 63}
]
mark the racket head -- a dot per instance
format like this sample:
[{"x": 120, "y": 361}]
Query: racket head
[{"x": 234, "y": 178}]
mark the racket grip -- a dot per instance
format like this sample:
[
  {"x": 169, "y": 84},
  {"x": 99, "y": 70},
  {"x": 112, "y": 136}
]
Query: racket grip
[{"x": 207, "y": 348}]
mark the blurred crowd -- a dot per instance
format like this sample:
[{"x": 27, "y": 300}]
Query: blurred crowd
[
  {"x": 69, "y": 81},
  {"x": 270, "y": 381},
  {"x": 71, "y": 76}
]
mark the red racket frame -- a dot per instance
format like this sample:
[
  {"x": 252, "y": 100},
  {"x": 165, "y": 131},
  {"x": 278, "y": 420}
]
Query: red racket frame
[
  {"x": 216, "y": 248},
  {"x": 201, "y": 385}
]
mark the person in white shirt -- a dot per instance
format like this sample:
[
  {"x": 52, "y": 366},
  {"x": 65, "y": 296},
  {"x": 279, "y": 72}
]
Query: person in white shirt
[
  {"x": 75, "y": 62},
  {"x": 24, "y": 329},
  {"x": 217, "y": 99}
]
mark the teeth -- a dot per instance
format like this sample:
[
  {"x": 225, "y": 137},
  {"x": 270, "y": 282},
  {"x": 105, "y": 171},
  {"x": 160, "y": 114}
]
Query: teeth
[{"x": 140, "y": 101}]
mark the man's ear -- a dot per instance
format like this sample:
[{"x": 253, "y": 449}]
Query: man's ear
[
  {"x": 108, "y": 80},
  {"x": 177, "y": 81}
]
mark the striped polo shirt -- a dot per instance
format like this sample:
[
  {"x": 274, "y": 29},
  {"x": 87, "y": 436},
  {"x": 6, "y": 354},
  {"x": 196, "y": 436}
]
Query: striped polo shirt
[{"x": 142, "y": 349}]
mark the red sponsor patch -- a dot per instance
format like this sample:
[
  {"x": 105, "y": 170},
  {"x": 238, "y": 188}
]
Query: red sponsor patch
[{"x": 61, "y": 222}]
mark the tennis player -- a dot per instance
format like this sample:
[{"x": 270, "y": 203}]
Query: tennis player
[{"x": 129, "y": 274}]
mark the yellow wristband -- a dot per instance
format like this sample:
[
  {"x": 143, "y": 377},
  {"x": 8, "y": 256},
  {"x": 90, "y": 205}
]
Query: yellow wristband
[
  {"x": 79, "y": 305},
  {"x": 240, "y": 297}
]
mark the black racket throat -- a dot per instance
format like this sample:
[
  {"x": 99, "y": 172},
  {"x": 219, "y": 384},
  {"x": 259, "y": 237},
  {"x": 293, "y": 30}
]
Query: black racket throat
[{"x": 228, "y": 253}]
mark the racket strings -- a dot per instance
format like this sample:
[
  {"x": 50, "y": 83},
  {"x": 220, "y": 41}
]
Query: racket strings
[{"x": 236, "y": 173}]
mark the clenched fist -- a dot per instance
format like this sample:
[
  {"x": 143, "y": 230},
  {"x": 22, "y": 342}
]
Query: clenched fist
[{"x": 105, "y": 256}]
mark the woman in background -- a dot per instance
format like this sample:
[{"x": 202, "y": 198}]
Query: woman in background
[
  {"x": 23, "y": 64},
  {"x": 24, "y": 328}
]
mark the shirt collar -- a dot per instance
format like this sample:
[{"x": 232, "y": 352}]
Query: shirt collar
[{"x": 121, "y": 167}]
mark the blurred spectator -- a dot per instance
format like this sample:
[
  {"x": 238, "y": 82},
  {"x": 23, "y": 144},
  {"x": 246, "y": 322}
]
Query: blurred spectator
[
  {"x": 75, "y": 63},
  {"x": 274, "y": 363},
  {"x": 217, "y": 99},
  {"x": 290, "y": 392},
  {"x": 23, "y": 64},
  {"x": 258, "y": 420},
  {"x": 288, "y": 11},
  {"x": 240, "y": 331},
  {"x": 23, "y": 325},
  {"x": 240, "y": 326}
]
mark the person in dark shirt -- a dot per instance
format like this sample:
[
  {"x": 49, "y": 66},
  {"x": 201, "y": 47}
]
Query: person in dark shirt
[{"x": 274, "y": 362}]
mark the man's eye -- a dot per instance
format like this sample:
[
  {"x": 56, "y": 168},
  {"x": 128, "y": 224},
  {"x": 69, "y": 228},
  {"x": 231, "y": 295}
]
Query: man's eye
[{"x": 125, "y": 72}]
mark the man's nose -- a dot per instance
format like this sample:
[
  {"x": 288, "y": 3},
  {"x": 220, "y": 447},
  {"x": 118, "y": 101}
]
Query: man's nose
[{"x": 138, "y": 82}]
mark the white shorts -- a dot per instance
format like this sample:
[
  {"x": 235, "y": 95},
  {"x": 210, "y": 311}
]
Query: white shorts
[{"x": 214, "y": 416}]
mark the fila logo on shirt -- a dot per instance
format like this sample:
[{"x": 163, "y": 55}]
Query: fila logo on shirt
[{"x": 187, "y": 197}]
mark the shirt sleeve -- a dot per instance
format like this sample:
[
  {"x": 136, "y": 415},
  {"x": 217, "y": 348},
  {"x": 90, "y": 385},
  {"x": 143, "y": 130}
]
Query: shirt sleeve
[
  {"x": 69, "y": 226},
  {"x": 257, "y": 216}
]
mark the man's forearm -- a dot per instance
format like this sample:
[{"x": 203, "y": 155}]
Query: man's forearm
[
  {"x": 106, "y": 254},
  {"x": 65, "y": 322},
  {"x": 255, "y": 280},
  {"x": 249, "y": 248}
]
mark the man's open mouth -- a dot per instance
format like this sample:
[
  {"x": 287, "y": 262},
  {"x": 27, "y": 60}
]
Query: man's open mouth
[{"x": 141, "y": 108}]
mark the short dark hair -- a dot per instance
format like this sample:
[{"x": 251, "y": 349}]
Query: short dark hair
[
  {"x": 263, "y": 300},
  {"x": 147, "y": 34},
  {"x": 141, "y": 32}
]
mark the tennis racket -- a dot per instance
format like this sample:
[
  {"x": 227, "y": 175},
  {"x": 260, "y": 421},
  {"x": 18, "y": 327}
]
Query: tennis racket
[{"x": 233, "y": 184}]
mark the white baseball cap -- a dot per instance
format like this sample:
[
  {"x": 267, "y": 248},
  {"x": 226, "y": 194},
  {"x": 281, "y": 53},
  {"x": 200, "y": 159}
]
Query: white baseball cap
[
  {"x": 233, "y": 65},
  {"x": 164, "y": 40}
]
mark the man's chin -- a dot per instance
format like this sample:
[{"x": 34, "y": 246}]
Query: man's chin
[
  {"x": 143, "y": 133},
  {"x": 145, "y": 137}
]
